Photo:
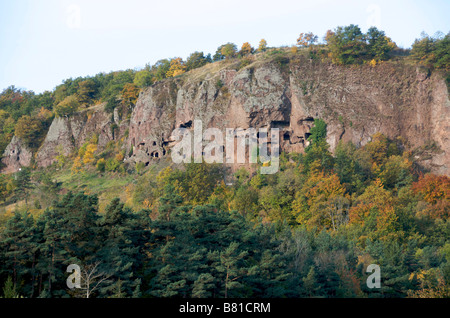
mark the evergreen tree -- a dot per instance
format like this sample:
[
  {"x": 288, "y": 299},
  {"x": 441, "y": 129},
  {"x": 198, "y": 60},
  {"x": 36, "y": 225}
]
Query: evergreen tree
[
  {"x": 122, "y": 235},
  {"x": 17, "y": 242}
]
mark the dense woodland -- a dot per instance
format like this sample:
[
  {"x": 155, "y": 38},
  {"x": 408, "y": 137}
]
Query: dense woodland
[{"x": 310, "y": 230}]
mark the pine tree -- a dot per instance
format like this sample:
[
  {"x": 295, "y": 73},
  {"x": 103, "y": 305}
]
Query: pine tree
[
  {"x": 310, "y": 283},
  {"x": 122, "y": 235},
  {"x": 9, "y": 289},
  {"x": 17, "y": 242}
]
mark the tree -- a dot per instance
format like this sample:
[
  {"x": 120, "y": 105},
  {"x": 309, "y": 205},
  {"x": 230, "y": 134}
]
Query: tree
[
  {"x": 307, "y": 39},
  {"x": 218, "y": 56},
  {"x": 67, "y": 107},
  {"x": 143, "y": 78},
  {"x": 203, "y": 286},
  {"x": 318, "y": 131},
  {"x": 317, "y": 152},
  {"x": 23, "y": 182},
  {"x": 432, "y": 51},
  {"x": 86, "y": 91},
  {"x": 82, "y": 211},
  {"x": 17, "y": 240},
  {"x": 89, "y": 153},
  {"x": 9, "y": 289},
  {"x": 310, "y": 283},
  {"x": 396, "y": 172},
  {"x": 245, "y": 201},
  {"x": 29, "y": 130},
  {"x": 435, "y": 190},
  {"x": 378, "y": 148},
  {"x": 111, "y": 104},
  {"x": 177, "y": 67},
  {"x": 160, "y": 69},
  {"x": 246, "y": 49},
  {"x": 322, "y": 202},
  {"x": 347, "y": 44},
  {"x": 262, "y": 45},
  {"x": 196, "y": 60},
  {"x": 379, "y": 45},
  {"x": 130, "y": 94},
  {"x": 230, "y": 266},
  {"x": 197, "y": 182},
  {"x": 123, "y": 234},
  {"x": 349, "y": 167},
  {"x": 91, "y": 278},
  {"x": 229, "y": 50},
  {"x": 374, "y": 211}
]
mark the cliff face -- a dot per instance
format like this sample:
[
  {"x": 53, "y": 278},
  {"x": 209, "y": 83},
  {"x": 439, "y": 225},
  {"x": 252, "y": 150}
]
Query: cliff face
[
  {"x": 392, "y": 98},
  {"x": 356, "y": 102},
  {"x": 16, "y": 155},
  {"x": 68, "y": 134}
]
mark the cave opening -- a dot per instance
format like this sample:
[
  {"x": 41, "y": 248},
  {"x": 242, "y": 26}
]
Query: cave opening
[
  {"x": 186, "y": 125},
  {"x": 155, "y": 154},
  {"x": 280, "y": 124}
]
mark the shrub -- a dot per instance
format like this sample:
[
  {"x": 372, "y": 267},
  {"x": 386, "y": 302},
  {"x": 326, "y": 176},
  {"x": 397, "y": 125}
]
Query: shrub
[
  {"x": 112, "y": 164},
  {"x": 101, "y": 165}
]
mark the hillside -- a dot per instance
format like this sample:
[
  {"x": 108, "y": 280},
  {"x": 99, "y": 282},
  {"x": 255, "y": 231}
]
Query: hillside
[
  {"x": 282, "y": 90},
  {"x": 361, "y": 179}
]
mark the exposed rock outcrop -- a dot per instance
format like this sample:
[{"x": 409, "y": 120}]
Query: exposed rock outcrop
[
  {"x": 356, "y": 102},
  {"x": 395, "y": 99},
  {"x": 16, "y": 155},
  {"x": 67, "y": 134}
]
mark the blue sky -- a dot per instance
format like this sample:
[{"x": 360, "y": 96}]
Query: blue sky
[{"x": 43, "y": 42}]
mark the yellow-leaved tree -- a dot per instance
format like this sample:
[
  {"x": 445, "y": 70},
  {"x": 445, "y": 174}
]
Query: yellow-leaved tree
[
  {"x": 246, "y": 49},
  {"x": 177, "y": 67},
  {"x": 321, "y": 202},
  {"x": 262, "y": 45},
  {"x": 374, "y": 213}
]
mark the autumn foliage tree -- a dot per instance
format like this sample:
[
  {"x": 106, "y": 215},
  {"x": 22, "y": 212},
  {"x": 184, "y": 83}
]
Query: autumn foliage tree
[
  {"x": 246, "y": 49},
  {"x": 29, "y": 130},
  {"x": 229, "y": 50},
  {"x": 177, "y": 67},
  {"x": 130, "y": 94},
  {"x": 432, "y": 51},
  {"x": 262, "y": 45},
  {"x": 435, "y": 190},
  {"x": 322, "y": 202},
  {"x": 348, "y": 45},
  {"x": 374, "y": 212},
  {"x": 67, "y": 107},
  {"x": 307, "y": 39}
]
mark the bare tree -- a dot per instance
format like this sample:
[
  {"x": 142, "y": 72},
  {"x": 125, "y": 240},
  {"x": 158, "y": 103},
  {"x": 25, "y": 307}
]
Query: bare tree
[{"x": 91, "y": 278}]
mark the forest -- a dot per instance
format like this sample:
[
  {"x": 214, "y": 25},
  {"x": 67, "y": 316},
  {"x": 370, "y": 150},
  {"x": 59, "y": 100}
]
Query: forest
[{"x": 310, "y": 230}]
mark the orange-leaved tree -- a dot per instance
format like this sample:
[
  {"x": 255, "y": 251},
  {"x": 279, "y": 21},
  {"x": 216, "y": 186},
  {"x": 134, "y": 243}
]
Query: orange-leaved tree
[
  {"x": 435, "y": 190},
  {"x": 246, "y": 49},
  {"x": 177, "y": 67},
  {"x": 130, "y": 94}
]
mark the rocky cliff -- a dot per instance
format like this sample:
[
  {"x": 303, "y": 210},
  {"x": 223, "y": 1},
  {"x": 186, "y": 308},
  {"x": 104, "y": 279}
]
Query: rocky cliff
[
  {"x": 16, "y": 155},
  {"x": 393, "y": 98}
]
